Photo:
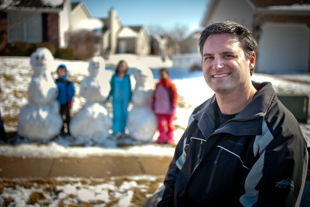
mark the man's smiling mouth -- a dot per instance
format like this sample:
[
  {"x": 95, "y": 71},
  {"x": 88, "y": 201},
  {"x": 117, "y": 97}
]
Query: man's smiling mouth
[{"x": 221, "y": 75}]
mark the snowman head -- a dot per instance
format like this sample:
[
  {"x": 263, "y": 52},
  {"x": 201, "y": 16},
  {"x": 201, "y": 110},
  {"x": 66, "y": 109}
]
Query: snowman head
[
  {"x": 95, "y": 65},
  {"x": 142, "y": 74},
  {"x": 40, "y": 60}
]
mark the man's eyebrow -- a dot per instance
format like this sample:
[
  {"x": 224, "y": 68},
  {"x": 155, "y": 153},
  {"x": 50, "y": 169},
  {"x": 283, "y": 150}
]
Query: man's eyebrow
[
  {"x": 228, "y": 52},
  {"x": 207, "y": 54}
]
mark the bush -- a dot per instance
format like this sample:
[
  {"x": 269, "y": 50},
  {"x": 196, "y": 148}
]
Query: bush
[
  {"x": 47, "y": 45},
  {"x": 64, "y": 53},
  {"x": 26, "y": 49},
  {"x": 20, "y": 49}
]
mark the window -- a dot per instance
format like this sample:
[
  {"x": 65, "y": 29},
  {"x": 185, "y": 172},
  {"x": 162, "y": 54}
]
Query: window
[{"x": 25, "y": 27}]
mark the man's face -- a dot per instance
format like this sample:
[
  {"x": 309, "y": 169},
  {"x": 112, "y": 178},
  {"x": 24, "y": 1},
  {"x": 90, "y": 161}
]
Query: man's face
[
  {"x": 225, "y": 67},
  {"x": 61, "y": 72}
]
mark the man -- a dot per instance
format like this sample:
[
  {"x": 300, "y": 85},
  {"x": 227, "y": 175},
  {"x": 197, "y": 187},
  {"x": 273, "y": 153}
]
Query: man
[{"x": 242, "y": 146}]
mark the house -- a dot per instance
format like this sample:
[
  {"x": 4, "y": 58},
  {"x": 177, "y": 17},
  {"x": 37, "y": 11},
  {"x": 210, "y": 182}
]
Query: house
[
  {"x": 112, "y": 26},
  {"x": 34, "y": 21},
  {"x": 78, "y": 13},
  {"x": 282, "y": 29},
  {"x": 133, "y": 39},
  {"x": 118, "y": 38},
  {"x": 190, "y": 43}
]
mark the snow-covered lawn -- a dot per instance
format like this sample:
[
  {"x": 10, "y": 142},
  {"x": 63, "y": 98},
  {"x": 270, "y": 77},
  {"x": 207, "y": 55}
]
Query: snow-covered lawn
[{"x": 66, "y": 191}]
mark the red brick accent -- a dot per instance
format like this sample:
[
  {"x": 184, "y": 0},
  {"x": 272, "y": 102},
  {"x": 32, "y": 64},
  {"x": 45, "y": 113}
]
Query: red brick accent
[
  {"x": 53, "y": 29},
  {"x": 3, "y": 34}
]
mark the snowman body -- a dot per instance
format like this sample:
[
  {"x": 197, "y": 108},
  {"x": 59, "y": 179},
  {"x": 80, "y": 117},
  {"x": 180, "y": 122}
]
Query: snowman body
[
  {"x": 93, "y": 119},
  {"x": 40, "y": 118},
  {"x": 141, "y": 121}
]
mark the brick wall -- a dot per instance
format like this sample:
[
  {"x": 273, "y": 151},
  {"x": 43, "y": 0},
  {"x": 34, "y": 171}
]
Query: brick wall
[
  {"x": 53, "y": 29},
  {"x": 3, "y": 33}
]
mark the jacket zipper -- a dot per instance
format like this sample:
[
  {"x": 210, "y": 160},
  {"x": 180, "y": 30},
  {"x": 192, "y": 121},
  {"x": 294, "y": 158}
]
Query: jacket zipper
[
  {"x": 200, "y": 152},
  {"x": 213, "y": 170}
]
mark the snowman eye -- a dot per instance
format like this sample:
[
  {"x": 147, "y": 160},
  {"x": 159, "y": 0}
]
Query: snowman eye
[{"x": 37, "y": 57}]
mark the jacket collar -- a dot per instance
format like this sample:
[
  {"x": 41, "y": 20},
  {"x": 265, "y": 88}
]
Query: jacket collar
[{"x": 247, "y": 122}]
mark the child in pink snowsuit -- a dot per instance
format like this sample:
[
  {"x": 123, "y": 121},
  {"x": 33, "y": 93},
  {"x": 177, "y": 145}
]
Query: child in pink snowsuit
[{"x": 164, "y": 105}]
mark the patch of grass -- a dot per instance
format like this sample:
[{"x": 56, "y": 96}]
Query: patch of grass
[
  {"x": 7, "y": 78},
  {"x": 20, "y": 94}
]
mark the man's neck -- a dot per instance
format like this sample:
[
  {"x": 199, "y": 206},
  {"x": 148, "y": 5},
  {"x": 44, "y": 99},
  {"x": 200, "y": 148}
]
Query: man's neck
[{"x": 233, "y": 103}]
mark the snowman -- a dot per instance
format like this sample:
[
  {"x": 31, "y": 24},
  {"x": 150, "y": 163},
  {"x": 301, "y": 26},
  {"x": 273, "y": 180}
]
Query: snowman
[
  {"x": 93, "y": 120},
  {"x": 141, "y": 121},
  {"x": 40, "y": 118}
]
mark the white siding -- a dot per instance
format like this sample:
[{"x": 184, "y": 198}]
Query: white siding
[{"x": 283, "y": 48}]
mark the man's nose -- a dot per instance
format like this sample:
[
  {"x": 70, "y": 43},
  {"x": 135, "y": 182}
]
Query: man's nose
[{"x": 218, "y": 64}]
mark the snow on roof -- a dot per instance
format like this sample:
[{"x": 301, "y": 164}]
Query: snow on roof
[
  {"x": 127, "y": 32},
  {"x": 90, "y": 24},
  {"x": 27, "y": 5},
  {"x": 52, "y": 3}
]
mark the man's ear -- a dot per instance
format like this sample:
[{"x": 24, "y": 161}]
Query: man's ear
[{"x": 252, "y": 61}]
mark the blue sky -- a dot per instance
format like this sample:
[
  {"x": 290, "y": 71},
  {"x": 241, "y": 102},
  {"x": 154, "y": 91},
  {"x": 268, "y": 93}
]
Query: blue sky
[{"x": 166, "y": 13}]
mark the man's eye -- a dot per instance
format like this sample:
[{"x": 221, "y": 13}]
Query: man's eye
[
  {"x": 229, "y": 56},
  {"x": 208, "y": 58}
]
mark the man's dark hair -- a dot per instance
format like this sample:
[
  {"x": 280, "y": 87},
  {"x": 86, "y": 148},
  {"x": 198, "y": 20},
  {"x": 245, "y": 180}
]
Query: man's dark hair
[{"x": 244, "y": 35}]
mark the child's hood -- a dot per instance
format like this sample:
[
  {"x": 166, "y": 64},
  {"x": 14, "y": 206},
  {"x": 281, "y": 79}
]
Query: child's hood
[{"x": 64, "y": 66}]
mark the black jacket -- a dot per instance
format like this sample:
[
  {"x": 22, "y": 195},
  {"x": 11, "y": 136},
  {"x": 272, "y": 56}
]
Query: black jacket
[{"x": 258, "y": 158}]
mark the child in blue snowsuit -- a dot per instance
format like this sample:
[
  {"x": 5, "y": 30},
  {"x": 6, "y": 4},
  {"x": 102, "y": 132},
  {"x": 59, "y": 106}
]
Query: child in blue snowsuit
[
  {"x": 65, "y": 94},
  {"x": 121, "y": 96}
]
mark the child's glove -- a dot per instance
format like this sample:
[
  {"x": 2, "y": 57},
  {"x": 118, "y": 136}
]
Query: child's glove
[
  {"x": 70, "y": 103},
  {"x": 153, "y": 106},
  {"x": 173, "y": 109}
]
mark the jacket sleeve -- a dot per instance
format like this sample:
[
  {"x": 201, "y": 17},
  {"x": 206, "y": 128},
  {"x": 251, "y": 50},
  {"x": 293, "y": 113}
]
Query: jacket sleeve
[
  {"x": 284, "y": 172},
  {"x": 112, "y": 88},
  {"x": 174, "y": 94},
  {"x": 71, "y": 90},
  {"x": 130, "y": 91},
  {"x": 278, "y": 176}
]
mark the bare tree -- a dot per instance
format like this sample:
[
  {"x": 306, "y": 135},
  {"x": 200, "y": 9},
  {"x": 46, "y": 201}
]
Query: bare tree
[
  {"x": 83, "y": 43},
  {"x": 176, "y": 37}
]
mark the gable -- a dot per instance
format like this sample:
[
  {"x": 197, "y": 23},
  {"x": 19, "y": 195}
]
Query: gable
[{"x": 127, "y": 32}]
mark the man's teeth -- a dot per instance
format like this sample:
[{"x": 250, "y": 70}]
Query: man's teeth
[{"x": 220, "y": 76}]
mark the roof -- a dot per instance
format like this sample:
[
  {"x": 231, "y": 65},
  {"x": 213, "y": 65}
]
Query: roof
[
  {"x": 127, "y": 32},
  {"x": 31, "y": 4},
  {"x": 300, "y": 7},
  {"x": 74, "y": 5},
  {"x": 136, "y": 28},
  {"x": 267, "y": 3}
]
